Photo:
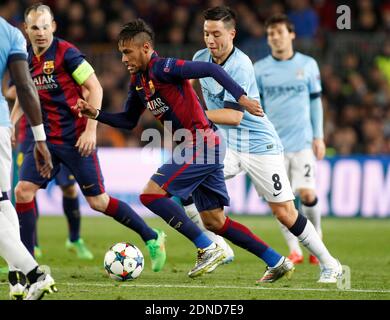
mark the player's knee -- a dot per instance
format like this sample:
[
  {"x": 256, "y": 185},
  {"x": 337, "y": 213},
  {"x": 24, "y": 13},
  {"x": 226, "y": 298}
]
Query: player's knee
[
  {"x": 24, "y": 192},
  {"x": 308, "y": 197},
  {"x": 69, "y": 191},
  {"x": 99, "y": 203},
  {"x": 213, "y": 223}
]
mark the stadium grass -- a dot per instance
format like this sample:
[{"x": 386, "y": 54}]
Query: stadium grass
[{"x": 361, "y": 244}]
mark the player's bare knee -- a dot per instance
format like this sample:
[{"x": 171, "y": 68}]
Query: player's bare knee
[
  {"x": 98, "y": 203},
  {"x": 69, "y": 191},
  {"x": 307, "y": 196},
  {"x": 213, "y": 220},
  {"x": 153, "y": 188},
  {"x": 24, "y": 192}
]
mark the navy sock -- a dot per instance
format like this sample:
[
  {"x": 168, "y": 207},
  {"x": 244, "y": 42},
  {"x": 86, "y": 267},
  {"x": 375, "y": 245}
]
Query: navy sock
[
  {"x": 125, "y": 215},
  {"x": 241, "y": 236},
  {"x": 27, "y": 220},
  {"x": 299, "y": 225},
  {"x": 72, "y": 213},
  {"x": 175, "y": 216},
  {"x": 187, "y": 202}
]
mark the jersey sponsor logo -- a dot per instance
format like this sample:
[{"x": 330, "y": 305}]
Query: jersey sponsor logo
[
  {"x": 48, "y": 67},
  {"x": 277, "y": 91},
  {"x": 157, "y": 107},
  {"x": 45, "y": 82}
]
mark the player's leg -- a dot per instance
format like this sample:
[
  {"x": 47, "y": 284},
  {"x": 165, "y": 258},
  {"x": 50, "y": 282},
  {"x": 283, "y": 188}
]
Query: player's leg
[
  {"x": 295, "y": 251},
  {"x": 193, "y": 213},
  {"x": 277, "y": 191},
  {"x": 210, "y": 198},
  {"x": 90, "y": 179},
  {"x": 181, "y": 180},
  {"x": 305, "y": 181},
  {"x": 70, "y": 203},
  {"x": 11, "y": 247}
]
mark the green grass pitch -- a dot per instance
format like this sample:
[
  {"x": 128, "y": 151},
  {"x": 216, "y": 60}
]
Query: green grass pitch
[{"x": 361, "y": 244}]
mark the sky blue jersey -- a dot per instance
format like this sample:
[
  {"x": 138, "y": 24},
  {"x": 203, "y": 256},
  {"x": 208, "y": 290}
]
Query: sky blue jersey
[
  {"x": 286, "y": 89},
  {"x": 12, "y": 46},
  {"x": 254, "y": 134}
]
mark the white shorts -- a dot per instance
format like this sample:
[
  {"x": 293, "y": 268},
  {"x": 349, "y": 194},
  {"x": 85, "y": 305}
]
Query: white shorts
[
  {"x": 300, "y": 167},
  {"x": 267, "y": 173},
  {"x": 5, "y": 159}
]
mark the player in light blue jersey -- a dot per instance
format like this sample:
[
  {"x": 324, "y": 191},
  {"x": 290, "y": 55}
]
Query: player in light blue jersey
[
  {"x": 253, "y": 144},
  {"x": 290, "y": 87},
  {"x": 22, "y": 266}
]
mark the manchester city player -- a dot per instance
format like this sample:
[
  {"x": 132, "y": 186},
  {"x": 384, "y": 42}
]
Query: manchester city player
[
  {"x": 253, "y": 144},
  {"x": 22, "y": 266},
  {"x": 290, "y": 88}
]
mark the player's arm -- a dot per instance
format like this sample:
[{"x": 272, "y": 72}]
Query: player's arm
[
  {"x": 227, "y": 116},
  {"x": 124, "y": 120},
  {"x": 184, "y": 69},
  {"x": 29, "y": 101},
  {"x": 316, "y": 118}
]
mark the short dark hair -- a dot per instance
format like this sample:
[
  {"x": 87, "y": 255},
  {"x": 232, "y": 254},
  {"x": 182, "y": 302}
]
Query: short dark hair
[
  {"x": 134, "y": 28},
  {"x": 223, "y": 13},
  {"x": 280, "y": 18},
  {"x": 39, "y": 6}
]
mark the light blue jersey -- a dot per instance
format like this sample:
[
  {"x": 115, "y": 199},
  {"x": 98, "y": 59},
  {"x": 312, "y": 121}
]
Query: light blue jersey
[
  {"x": 286, "y": 88},
  {"x": 12, "y": 46},
  {"x": 254, "y": 134}
]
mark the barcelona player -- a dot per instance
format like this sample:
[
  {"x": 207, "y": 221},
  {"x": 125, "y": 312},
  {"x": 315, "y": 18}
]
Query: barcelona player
[
  {"x": 59, "y": 72},
  {"x": 161, "y": 85},
  {"x": 64, "y": 179}
]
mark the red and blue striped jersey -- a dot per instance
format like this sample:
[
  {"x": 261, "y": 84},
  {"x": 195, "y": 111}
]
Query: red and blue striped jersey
[
  {"x": 58, "y": 91},
  {"x": 169, "y": 97}
]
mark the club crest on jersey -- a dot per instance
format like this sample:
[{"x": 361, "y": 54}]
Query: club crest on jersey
[
  {"x": 152, "y": 89},
  {"x": 300, "y": 74},
  {"x": 48, "y": 67}
]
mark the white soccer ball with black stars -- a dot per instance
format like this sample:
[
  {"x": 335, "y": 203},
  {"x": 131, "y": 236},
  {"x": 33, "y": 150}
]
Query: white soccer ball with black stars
[{"x": 124, "y": 261}]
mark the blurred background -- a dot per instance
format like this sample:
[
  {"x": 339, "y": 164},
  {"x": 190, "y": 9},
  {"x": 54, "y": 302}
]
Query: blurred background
[
  {"x": 355, "y": 64},
  {"x": 355, "y": 74}
]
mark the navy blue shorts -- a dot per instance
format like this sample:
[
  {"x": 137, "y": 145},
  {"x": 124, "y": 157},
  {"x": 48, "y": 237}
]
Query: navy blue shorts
[
  {"x": 202, "y": 179},
  {"x": 63, "y": 178},
  {"x": 86, "y": 170}
]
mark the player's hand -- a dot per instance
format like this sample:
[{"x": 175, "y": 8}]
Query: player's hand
[
  {"x": 85, "y": 109},
  {"x": 252, "y": 106},
  {"x": 42, "y": 158},
  {"x": 319, "y": 148},
  {"x": 86, "y": 142}
]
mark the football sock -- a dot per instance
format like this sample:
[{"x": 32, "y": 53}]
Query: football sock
[
  {"x": 125, "y": 215},
  {"x": 313, "y": 212},
  {"x": 192, "y": 212},
  {"x": 34, "y": 275},
  {"x": 241, "y": 236},
  {"x": 72, "y": 213},
  {"x": 27, "y": 221},
  {"x": 36, "y": 240},
  {"x": 12, "y": 249},
  {"x": 175, "y": 216},
  {"x": 308, "y": 236}
]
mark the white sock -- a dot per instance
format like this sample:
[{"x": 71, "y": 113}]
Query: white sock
[
  {"x": 12, "y": 248},
  {"x": 314, "y": 215},
  {"x": 9, "y": 212},
  {"x": 193, "y": 214},
  {"x": 291, "y": 240},
  {"x": 312, "y": 241}
]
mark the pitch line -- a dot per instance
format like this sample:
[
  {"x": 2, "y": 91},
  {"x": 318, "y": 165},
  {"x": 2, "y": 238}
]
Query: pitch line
[{"x": 220, "y": 287}]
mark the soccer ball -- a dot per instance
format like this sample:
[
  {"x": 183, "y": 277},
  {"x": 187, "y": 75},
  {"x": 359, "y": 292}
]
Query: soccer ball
[{"x": 124, "y": 261}]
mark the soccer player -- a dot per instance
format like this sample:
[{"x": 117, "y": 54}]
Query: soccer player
[
  {"x": 22, "y": 266},
  {"x": 64, "y": 179},
  {"x": 161, "y": 85},
  {"x": 253, "y": 144},
  {"x": 290, "y": 89},
  {"x": 59, "y": 72}
]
